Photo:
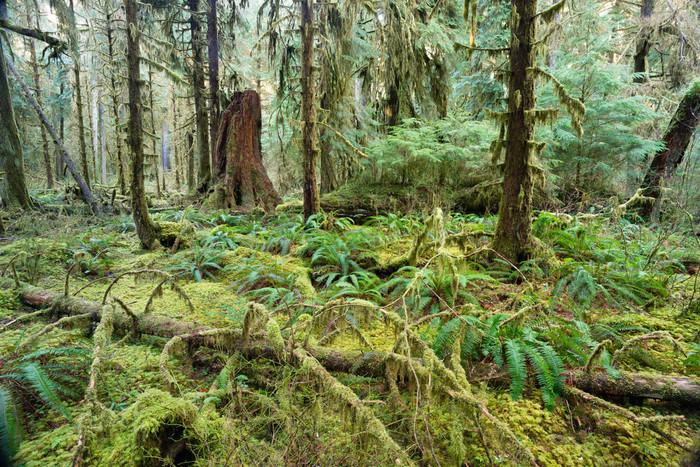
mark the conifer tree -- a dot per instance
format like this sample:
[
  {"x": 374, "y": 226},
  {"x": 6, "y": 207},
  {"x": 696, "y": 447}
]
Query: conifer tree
[
  {"x": 145, "y": 228},
  {"x": 513, "y": 238}
]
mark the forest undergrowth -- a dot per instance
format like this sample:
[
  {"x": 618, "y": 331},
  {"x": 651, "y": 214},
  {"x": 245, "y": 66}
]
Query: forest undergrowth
[{"x": 264, "y": 340}]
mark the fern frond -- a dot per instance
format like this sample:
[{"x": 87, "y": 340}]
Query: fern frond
[
  {"x": 517, "y": 366},
  {"x": 543, "y": 374},
  {"x": 45, "y": 388},
  {"x": 9, "y": 430}
]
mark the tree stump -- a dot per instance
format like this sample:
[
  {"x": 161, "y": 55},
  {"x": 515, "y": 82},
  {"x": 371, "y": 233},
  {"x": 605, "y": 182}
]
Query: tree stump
[{"x": 238, "y": 166}]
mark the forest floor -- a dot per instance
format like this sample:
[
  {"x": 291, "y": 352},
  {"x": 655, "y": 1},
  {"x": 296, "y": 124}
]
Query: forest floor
[{"x": 459, "y": 359}]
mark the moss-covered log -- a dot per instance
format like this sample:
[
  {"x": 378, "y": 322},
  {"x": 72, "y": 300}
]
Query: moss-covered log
[
  {"x": 683, "y": 390},
  {"x": 642, "y": 385}
]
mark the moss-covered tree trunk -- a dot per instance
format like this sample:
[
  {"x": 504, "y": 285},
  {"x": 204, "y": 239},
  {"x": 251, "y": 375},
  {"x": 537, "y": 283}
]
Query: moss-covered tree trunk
[
  {"x": 14, "y": 188},
  {"x": 145, "y": 228},
  {"x": 213, "y": 55},
  {"x": 176, "y": 157},
  {"x": 513, "y": 238},
  {"x": 644, "y": 42},
  {"x": 37, "y": 90},
  {"x": 154, "y": 146},
  {"x": 312, "y": 199},
  {"x": 200, "y": 101},
  {"x": 115, "y": 105},
  {"x": 677, "y": 137},
  {"x": 82, "y": 145},
  {"x": 245, "y": 181}
]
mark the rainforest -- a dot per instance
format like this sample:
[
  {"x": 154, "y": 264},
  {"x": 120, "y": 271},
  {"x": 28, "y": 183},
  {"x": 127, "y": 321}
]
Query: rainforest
[{"x": 349, "y": 232}]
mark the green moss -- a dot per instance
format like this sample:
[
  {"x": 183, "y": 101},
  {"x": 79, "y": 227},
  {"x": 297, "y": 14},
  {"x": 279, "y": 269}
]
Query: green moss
[{"x": 281, "y": 265}]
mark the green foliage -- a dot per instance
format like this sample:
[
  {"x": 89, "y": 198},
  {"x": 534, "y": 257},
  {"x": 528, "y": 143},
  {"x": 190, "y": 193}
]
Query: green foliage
[
  {"x": 198, "y": 262},
  {"x": 46, "y": 376},
  {"x": 431, "y": 152},
  {"x": 612, "y": 153}
]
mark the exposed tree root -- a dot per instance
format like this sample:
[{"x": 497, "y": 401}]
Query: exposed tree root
[{"x": 683, "y": 390}]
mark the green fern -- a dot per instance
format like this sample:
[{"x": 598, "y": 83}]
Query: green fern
[
  {"x": 45, "y": 388},
  {"x": 9, "y": 428},
  {"x": 517, "y": 367}
]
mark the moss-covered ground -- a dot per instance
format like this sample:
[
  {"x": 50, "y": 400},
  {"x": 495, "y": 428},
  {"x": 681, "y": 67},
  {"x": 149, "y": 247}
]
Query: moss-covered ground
[{"x": 513, "y": 334}]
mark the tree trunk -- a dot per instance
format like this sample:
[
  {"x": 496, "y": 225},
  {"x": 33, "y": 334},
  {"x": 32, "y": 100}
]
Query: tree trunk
[
  {"x": 37, "y": 90},
  {"x": 103, "y": 143},
  {"x": 115, "y": 107},
  {"x": 14, "y": 189},
  {"x": 644, "y": 42},
  {"x": 164, "y": 155},
  {"x": 94, "y": 114},
  {"x": 79, "y": 105},
  {"x": 200, "y": 105},
  {"x": 145, "y": 228},
  {"x": 312, "y": 203},
  {"x": 513, "y": 237},
  {"x": 60, "y": 164},
  {"x": 154, "y": 146},
  {"x": 677, "y": 137},
  {"x": 87, "y": 195},
  {"x": 245, "y": 181},
  {"x": 190, "y": 161},
  {"x": 178, "y": 163},
  {"x": 684, "y": 390},
  {"x": 214, "y": 106}
]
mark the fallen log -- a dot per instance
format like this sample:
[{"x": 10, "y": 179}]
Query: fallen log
[{"x": 678, "y": 389}]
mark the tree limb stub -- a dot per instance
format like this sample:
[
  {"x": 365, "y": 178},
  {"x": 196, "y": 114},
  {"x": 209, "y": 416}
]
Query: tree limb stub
[{"x": 684, "y": 390}]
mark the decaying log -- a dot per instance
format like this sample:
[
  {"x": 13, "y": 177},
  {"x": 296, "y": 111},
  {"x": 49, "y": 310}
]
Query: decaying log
[{"x": 678, "y": 389}]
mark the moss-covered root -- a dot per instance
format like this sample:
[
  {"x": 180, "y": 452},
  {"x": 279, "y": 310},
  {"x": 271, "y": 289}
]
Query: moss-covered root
[
  {"x": 223, "y": 336},
  {"x": 91, "y": 422},
  {"x": 352, "y": 406}
]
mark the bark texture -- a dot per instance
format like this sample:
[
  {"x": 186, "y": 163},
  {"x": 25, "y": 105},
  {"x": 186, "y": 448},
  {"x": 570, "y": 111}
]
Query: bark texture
[
  {"x": 677, "y": 137},
  {"x": 14, "y": 188},
  {"x": 213, "y": 55},
  {"x": 145, "y": 228},
  {"x": 240, "y": 165},
  {"x": 513, "y": 237},
  {"x": 200, "y": 105},
  {"x": 312, "y": 199},
  {"x": 82, "y": 145}
]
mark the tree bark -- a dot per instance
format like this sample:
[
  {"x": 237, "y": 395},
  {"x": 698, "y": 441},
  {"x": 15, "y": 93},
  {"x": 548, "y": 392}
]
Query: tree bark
[
  {"x": 200, "y": 105},
  {"x": 312, "y": 199},
  {"x": 87, "y": 194},
  {"x": 684, "y": 390},
  {"x": 79, "y": 105},
  {"x": 677, "y": 137},
  {"x": 214, "y": 106},
  {"x": 190, "y": 161},
  {"x": 164, "y": 152},
  {"x": 245, "y": 180},
  {"x": 37, "y": 90},
  {"x": 13, "y": 189},
  {"x": 103, "y": 143},
  {"x": 644, "y": 42},
  {"x": 153, "y": 130},
  {"x": 115, "y": 106},
  {"x": 178, "y": 164},
  {"x": 145, "y": 228},
  {"x": 513, "y": 237}
]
